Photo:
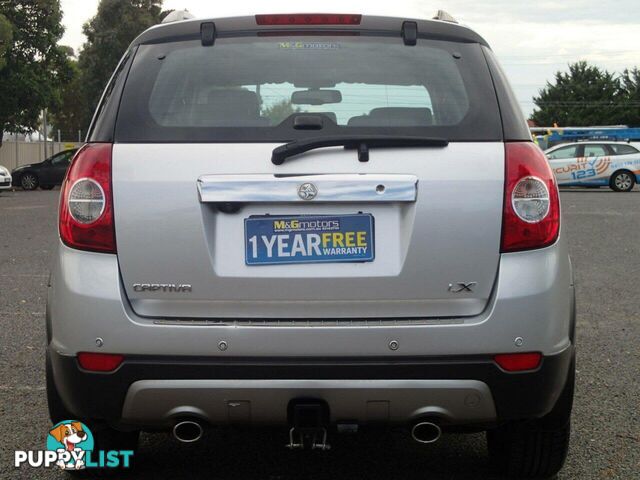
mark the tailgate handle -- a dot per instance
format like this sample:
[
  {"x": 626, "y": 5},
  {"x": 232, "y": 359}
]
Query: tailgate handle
[{"x": 347, "y": 188}]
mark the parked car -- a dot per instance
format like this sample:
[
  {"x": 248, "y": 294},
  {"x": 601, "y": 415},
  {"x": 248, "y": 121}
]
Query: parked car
[
  {"x": 5, "y": 178},
  {"x": 415, "y": 275},
  {"x": 596, "y": 164},
  {"x": 46, "y": 174}
]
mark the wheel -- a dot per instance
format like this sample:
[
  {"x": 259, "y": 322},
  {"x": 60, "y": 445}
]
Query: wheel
[
  {"x": 104, "y": 437},
  {"x": 622, "y": 181},
  {"x": 538, "y": 448},
  {"x": 47, "y": 187},
  {"x": 29, "y": 181}
]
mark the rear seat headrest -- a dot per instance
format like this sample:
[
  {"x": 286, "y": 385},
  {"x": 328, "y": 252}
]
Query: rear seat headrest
[
  {"x": 394, "y": 116},
  {"x": 234, "y": 103},
  {"x": 402, "y": 113}
]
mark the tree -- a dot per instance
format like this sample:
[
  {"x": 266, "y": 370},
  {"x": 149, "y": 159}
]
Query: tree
[
  {"x": 109, "y": 34},
  {"x": 6, "y": 36},
  {"x": 279, "y": 111},
  {"x": 72, "y": 112},
  {"x": 586, "y": 95},
  {"x": 34, "y": 63},
  {"x": 630, "y": 81}
]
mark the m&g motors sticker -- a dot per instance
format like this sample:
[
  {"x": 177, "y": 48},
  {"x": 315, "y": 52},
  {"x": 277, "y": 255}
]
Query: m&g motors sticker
[{"x": 309, "y": 46}]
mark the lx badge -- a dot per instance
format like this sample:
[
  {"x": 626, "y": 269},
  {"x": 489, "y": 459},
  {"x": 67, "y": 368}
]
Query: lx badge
[{"x": 459, "y": 287}]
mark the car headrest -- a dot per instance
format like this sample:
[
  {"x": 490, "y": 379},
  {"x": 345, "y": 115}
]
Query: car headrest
[
  {"x": 394, "y": 116},
  {"x": 234, "y": 103},
  {"x": 332, "y": 115},
  {"x": 420, "y": 115}
]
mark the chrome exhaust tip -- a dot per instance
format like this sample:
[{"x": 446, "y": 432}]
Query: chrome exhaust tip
[
  {"x": 426, "y": 432},
  {"x": 188, "y": 431}
]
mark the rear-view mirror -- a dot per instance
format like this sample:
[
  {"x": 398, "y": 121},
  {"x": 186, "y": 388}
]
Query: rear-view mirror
[{"x": 316, "y": 97}]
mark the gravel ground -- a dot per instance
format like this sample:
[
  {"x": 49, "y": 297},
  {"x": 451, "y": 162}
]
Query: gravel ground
[{"x": 603, "y": 230}]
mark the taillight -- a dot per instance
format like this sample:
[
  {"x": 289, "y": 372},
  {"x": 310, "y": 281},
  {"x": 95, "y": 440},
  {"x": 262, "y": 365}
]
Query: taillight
[
  {"x": 86, "y": 201},
  {"x": 531, "y": 214},
  {"x": 309, "y": 19},
  {"x": 100, "y": 362},
  {"x": 518, "y": 362}
]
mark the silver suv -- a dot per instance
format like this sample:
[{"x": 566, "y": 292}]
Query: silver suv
[{"x": 321, "y": 222}]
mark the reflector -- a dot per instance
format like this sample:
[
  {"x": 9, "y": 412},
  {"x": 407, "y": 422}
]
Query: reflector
[
  {"x": 518, "y": 362},
  {"x": 100, "y": 362}
]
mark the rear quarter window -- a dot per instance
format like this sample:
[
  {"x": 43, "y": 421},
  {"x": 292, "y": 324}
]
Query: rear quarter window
[
  {"x": 623, "y": 149},
  {"x": 250, "y": 89}
]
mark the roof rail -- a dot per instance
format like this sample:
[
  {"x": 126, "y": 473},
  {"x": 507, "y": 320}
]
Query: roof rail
[
  {"x": 178, "y": 15},
  {"x": 445, "y": 17}
]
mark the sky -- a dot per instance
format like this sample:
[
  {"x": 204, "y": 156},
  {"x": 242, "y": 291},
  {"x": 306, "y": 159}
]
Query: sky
[{"x": 532, "y": 40}]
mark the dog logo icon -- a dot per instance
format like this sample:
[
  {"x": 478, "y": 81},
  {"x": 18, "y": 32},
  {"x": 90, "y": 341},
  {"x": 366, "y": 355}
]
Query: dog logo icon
[
  {"x": 72, "y": 440},
  {"x": 70, "y": 446}
]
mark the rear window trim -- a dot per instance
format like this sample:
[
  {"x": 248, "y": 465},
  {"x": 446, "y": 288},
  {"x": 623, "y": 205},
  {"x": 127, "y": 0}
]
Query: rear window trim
[{"x": 270, "y": 136}]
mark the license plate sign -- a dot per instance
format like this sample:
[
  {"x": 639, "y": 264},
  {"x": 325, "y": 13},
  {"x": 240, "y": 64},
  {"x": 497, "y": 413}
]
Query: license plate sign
[{"x": 309, "y": 239}]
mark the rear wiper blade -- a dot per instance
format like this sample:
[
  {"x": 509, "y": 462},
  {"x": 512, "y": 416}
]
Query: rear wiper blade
[{"x": 360, "y": 142}]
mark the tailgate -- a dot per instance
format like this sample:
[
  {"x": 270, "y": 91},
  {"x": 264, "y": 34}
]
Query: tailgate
[{"x": 184, "y": 253}]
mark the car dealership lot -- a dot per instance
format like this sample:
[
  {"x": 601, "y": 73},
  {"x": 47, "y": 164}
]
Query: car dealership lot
[{"x": 603, "y": 230}]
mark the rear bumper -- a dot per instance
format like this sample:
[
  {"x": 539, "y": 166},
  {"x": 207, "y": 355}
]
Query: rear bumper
[
  {"x": 178, "y": 365},
  {"x": 147, "y": 391},
  {"x": 531, "y": 301}
]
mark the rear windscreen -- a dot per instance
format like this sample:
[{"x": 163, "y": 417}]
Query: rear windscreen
[{"x": 277, "y": 88}]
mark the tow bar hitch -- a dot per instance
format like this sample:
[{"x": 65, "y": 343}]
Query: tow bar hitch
[{"x": 309, "y": 420}]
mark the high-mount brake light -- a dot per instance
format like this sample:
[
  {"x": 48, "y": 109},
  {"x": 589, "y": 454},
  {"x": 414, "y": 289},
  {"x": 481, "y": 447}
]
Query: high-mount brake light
[
  {"x": 531, "y": 214},
  {"x": 309, "y": 19},
  {"x": 86, "y": 201}
]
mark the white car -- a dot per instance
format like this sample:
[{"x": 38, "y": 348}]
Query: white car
[
  {"x": 596, "y": 164},
  {"x": 5, "y": 178}
]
